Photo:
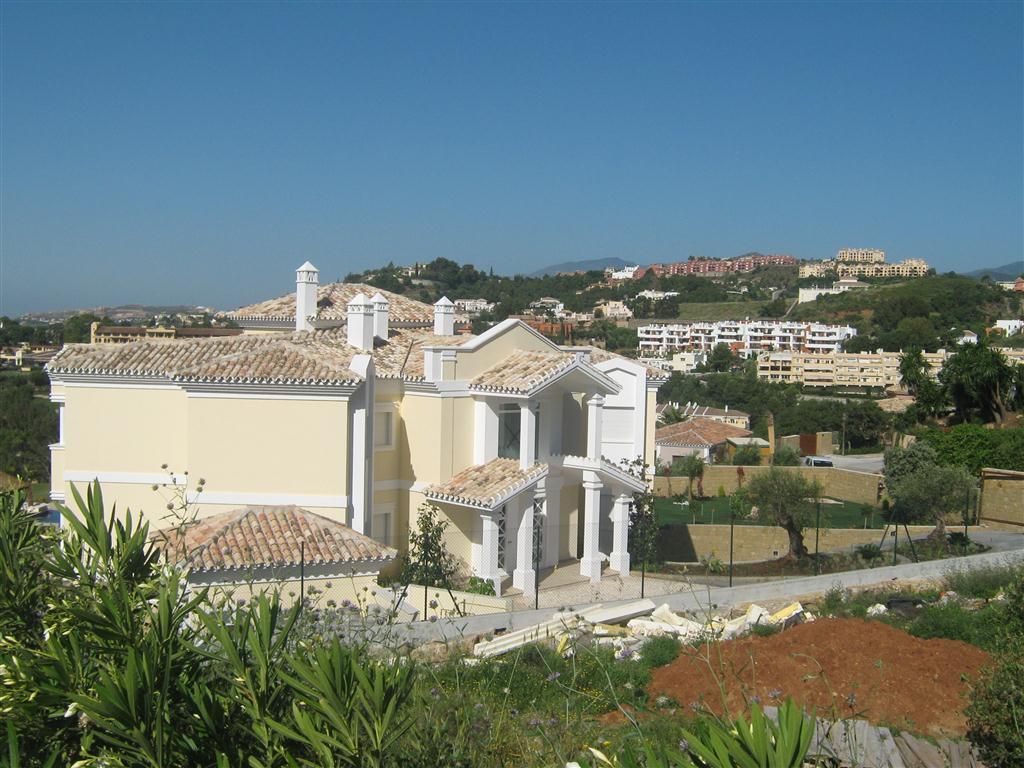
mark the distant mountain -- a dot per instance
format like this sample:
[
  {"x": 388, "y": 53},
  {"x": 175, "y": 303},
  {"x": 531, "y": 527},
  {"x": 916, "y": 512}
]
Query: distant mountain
[
  {"x": 1005, "y": 273},
  {"x": 580, "y": 266}
]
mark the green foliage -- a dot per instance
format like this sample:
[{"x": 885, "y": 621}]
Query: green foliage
[
  {"x": 982, "y": 628},
  {"x": 973, "y": 447},
  {"x": 428, "y": 562},
  {"x": 747, "y": 456},
  {"x": 659, "y": 651},
  {"x": 479, "y": 586},
  {"x": 643, "y": 520},
  {"x": 109, "y": 660},
  {"x": 933, "y": 492},
  {"x": 912, "y": 313},
  {"x": 28, "y": 425},
  {"x": 869, "y": 553},
  {"x": 983, "y": 583},
  {"x": 691, "y": 467},
  {"x": 979, "y": 380},
  {"x": 995, "y": 715},
  {"x": 786, "y": 457},
  {"x": 786, "y": 499},
  {"x": 722, "y": 359},
  {"x": 760, "y": 743}
]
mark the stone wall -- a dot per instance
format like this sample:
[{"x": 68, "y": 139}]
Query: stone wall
[
  {"x": 859, "y": 487},
  {"x": 754, "y": 543},
  {"x": 1002, "y": 498}
]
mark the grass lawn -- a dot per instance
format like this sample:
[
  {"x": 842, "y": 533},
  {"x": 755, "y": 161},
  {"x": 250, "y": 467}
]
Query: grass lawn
[{"x": 845, "y": 514}]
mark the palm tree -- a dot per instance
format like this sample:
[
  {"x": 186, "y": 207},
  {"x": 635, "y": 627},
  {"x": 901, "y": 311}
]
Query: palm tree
[
  {"x": 979, "y": 377},
  {"x": 913, "y": 370},
  {"x": 693, "y": 467}
]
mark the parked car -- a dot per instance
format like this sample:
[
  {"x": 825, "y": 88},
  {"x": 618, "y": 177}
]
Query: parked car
[{"x": 817, "y": 461}]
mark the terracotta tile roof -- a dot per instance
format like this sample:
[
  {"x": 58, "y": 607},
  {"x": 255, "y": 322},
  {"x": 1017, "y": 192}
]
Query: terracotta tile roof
[
  {"x": 522, "y": 371},
  {"x": 698, "y": 431},
  {"x": 402, "y": 356},
  {"x": 332, "y": 304},
  {"x": 485, "y": 486},
  {"x": 267, "y": 536},
  {"x": 317, "y": 357}
]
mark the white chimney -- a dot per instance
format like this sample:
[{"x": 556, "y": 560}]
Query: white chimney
[
  {"x": 307, "y": 277},
  {"x": 444, "y": 317},
  {"x": 380, "y": 316},
  {"x": 360, "y": 323}
]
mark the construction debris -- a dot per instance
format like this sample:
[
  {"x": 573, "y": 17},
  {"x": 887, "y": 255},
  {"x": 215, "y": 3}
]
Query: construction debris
[{"x": 642, "y": 620}]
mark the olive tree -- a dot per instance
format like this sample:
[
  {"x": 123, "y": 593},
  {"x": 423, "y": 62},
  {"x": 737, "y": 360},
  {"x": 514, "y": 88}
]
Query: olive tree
[{"x": 787, "y": 499}]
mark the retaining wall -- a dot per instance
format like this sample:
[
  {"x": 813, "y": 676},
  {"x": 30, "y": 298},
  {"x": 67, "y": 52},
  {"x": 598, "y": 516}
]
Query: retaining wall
[
  {"x": 860, "y": 487},
  {"x": 754, "y": 543},
  {"x": 1002, "y": 498}
]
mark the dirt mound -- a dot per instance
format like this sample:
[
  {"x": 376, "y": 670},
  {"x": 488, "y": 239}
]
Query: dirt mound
[{"x": 841, "y": 668}]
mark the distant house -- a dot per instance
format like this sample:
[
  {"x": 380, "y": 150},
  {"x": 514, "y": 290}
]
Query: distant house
[
  {"x": 613, "y": 310},
  {"x": 122, "y": 334},
  {"x": 693, "y": 411},
  {"x": 733, "y": 444},
  {"x": 699, "y": 436},
  {"x": 257, "y": 549}
]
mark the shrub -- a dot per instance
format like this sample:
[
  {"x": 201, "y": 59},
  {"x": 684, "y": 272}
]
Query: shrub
[
  {"x": 659, "y": 651},
  {"x": 983, "y": 628},
  {"x": 479, "y": 586},
  {"x": 995, "y": 716},
  {"x": 869, "y": 552},
  {"x": 979, "y": 582}
]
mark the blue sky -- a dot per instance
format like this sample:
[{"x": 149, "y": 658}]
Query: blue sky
[{"x": 198, "y": 153}]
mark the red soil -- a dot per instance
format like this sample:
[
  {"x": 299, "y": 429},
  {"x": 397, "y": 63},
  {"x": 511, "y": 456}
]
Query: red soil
[{"x": 841, "y": 668}]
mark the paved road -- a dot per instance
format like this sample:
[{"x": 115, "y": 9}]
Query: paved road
[{"x": 866, "y": 462}]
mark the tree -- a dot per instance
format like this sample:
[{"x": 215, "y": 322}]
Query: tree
[
  {"x": 747, "y": 456},
  {"x": 643, "y": 519},
  {"x": 787, "y": 499},
  {"x": 721, "y": 358},
  {"x": 902, "y": 462},
  {"x": 913, "y": 370},
  {"x": 428, "y": 562},
  {"x": 978, "y": 378},
  {"x": 933, "y": 492},
  {"x": 786, "y": 457},
  {"x": 866, "y": 423},
  {"x": 692, "y": 466}
]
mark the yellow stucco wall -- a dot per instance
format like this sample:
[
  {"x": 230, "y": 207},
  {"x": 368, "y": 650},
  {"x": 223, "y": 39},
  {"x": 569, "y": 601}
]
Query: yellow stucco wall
[
  {"x": 110, "y": 429},
  {"x": 470, "y": 363},
  {"x": 305, "y": 445}
]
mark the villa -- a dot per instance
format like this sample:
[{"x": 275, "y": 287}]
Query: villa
[{"x": 358, "y": 406}]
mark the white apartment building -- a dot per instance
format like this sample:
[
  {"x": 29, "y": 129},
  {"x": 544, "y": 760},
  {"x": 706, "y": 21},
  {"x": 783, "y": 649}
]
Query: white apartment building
[
  {"x": 861, "y": 255},
  {"x": 628, "y": 272},
  {"x": 656, "y": 295},
  {"x": 746, "y": 336},
  {"x": 839, "y": 286},
  {"x": 474, "y": 306}
]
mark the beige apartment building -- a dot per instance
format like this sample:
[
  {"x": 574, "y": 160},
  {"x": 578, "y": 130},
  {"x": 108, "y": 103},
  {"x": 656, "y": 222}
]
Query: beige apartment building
[
  {"x": 861, "y": 370},
  {"x": 861, "y": 255},
  {"x": 905, "y": 268},
  {"x": 362, "y": 411}
]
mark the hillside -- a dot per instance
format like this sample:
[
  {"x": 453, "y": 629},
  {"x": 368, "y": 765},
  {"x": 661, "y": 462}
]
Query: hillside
[
  {"x": 927, "y": 313},
  {"x": 580, "y": 266},
  {"x": 1005, "y": 273}
]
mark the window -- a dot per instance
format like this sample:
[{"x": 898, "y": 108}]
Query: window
[
  {"x": 383, "y": 428},
  {"x": 508, "y": 431},
  {"x": 381, "y": 527}
]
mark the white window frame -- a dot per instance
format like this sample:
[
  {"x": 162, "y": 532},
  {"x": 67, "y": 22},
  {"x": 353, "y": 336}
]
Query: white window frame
[
  {"x": 383, "y": 517},
  {"x": 384, "y": 413}
]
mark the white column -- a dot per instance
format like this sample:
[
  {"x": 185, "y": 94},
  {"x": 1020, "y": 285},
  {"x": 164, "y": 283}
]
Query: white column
[
  {"x": 619, "y": 558},
  {"x": 527, "y": 435},
  {"x": 487, "y": 568},
  {"x": 60, "y": 433},
  {"x": 590, "y": 565},
  {"x": 523, "y": 576},
  {"x": 552, "y": 521},
  {"x": 595, "y": 413}
]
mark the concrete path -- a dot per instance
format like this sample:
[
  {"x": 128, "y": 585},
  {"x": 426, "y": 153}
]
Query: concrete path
[{"x": 702, "y": 598}]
